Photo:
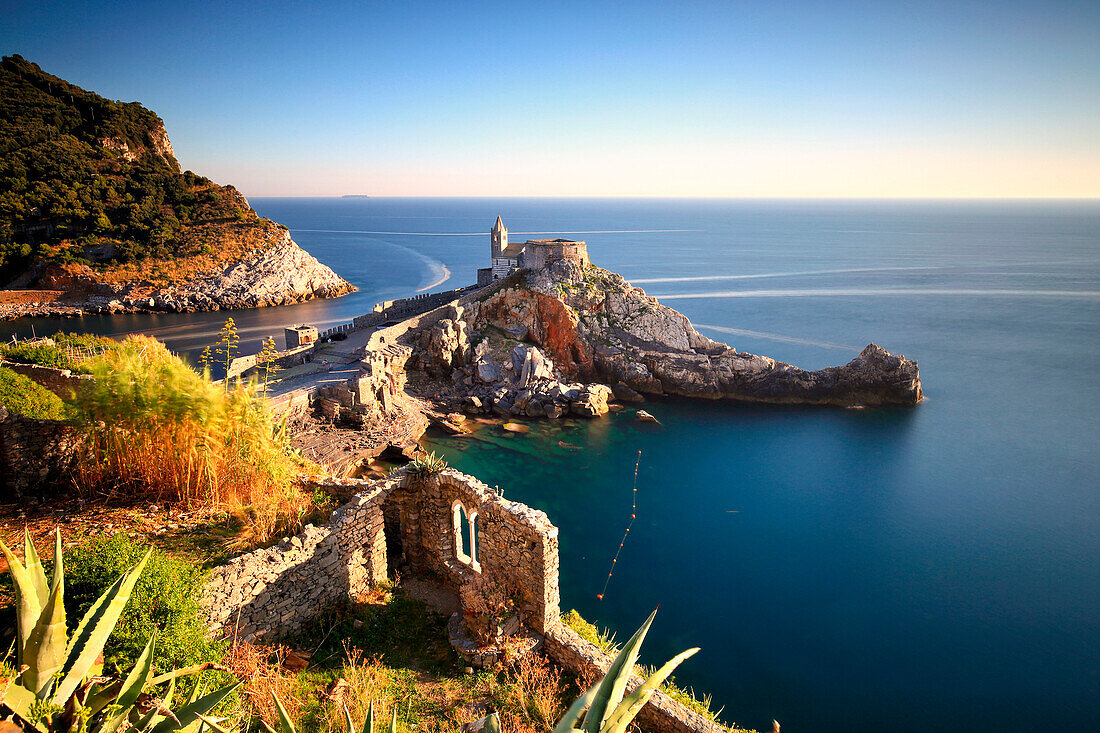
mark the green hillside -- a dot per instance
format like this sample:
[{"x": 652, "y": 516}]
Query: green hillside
[{"x": 89, "y": 180}]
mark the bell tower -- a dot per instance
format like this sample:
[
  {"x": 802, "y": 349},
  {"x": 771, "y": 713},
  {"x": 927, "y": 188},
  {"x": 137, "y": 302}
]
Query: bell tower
[{"x": 499, "y": 238}]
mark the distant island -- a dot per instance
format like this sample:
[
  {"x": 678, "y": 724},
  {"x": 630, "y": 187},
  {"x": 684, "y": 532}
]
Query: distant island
[
  {"x": 97, "y": 216},
  {"x": 355, "y": 196}
]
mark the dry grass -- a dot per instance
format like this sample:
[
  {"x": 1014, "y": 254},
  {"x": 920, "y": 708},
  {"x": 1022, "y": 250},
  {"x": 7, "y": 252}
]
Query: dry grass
[
  {"x": 534, "y": 689},
  {"x": 260, "y": 669},
  {"x": 156, "y": 430}
]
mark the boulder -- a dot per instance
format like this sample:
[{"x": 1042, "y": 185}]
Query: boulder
[
  {"x": 593, "y": 402},
  {"x": 487, "y": 370},
  {"x": 624, "y": 393}
]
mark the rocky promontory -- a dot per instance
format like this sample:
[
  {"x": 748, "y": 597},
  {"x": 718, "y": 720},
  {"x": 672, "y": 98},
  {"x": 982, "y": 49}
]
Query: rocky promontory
[
  {"x": 567, "y": 338},
  {"x": 275, "y": 272},
  {"x": 97, "y": 215}
]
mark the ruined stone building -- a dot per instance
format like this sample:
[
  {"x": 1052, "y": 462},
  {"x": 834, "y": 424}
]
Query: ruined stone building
[{"x": 533, "y": 254}]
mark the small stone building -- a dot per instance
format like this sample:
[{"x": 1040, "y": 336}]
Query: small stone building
[{"x": 300, "y": 336}]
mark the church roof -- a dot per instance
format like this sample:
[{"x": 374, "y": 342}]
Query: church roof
[{"x": 499, "y": 226}]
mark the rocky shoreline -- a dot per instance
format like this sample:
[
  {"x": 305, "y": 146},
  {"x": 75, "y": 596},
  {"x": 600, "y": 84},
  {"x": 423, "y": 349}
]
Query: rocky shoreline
[
  {"x": 279, "y": 274},
  {"x": 567, "y": 339},
  {"x": 571, "y": 341}
]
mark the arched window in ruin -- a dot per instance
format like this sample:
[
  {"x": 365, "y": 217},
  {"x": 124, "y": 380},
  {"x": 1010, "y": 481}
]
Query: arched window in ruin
[{"x": 464, "y": 532}]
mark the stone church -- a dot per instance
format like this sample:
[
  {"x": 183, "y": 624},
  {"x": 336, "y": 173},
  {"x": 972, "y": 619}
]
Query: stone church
[{"x": 533, "y": 254}]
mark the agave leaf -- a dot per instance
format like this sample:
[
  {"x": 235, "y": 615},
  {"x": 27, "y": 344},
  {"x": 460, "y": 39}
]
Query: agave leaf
[
  {"x": 139, "y": 676},
  {"x": 185, "y": 671},
  {"x": 347, "y": 719},
  {"x": 393, "y": 721},
  {"x": 492, "y": 724},
  {"x": 28, "y": 607},
  {"x": 34, "y": 568},
  {"x": 190, "y": 713},
  {"x": 213, "y": 723},
  {"x": 635, "y": 701},
  {"x": 368, "y": 724},
  {"x": 87, "y": 643},
  {"x": 19, "y": 700},
  {"x": 286, "y": 725},
  {"x": 610, "y": 691},
  {"x": 58, "y": 566},
  {"x": 45, "y": 650},
  {"x": 124, "y": 694},
  {"x": 154, "y": 717},
  {"x": 573, "y": 715}
]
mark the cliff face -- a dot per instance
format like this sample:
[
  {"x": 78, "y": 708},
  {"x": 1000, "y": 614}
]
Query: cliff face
[
  {"x": 596, "y": 327},
  {"x": 279, "y": 273},
  {"x": 144, "y": 235}
]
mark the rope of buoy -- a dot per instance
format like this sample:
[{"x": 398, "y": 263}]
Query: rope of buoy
[{"x": 633, "y": 514}]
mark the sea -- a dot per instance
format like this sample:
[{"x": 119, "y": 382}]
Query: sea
[{"x": 921, "y": 568}]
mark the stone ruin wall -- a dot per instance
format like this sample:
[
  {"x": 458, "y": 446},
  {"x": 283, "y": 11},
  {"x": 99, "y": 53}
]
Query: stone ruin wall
[
  {"x": 267, "y": 591},
  {"x": 35, "y": 455},
  {"x": 274, "y": 591},
  {"x": 61, "y": 382}
]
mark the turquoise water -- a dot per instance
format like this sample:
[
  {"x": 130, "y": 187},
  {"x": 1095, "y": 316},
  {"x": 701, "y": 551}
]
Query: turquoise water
[{"x": 896, "y": 569}]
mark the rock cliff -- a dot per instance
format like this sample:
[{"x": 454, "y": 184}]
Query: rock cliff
[
  {"x": 277, "y": 272},
  {"x": 594, "y": 327}
]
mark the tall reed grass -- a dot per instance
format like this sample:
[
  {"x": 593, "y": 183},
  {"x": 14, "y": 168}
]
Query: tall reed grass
[{"x": 154, "y": 429}]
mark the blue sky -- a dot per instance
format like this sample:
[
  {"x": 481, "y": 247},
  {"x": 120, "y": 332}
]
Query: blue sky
[{"x": 746, "y": 99}]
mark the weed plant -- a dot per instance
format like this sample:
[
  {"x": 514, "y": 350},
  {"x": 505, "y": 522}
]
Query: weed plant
[
  {"x": 26, "y": 397},
  {"x": 163, "y": 601},
  {"x": 154, "y": 429}
]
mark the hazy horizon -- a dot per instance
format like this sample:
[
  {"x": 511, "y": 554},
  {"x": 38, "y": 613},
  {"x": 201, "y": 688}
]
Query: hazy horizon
[{"x": 712, "y": 100}]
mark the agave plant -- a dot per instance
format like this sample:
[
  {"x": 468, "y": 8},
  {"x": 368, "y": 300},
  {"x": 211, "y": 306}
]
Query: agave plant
[
  {"x": 605, "y": 708},
  {"x": 286, "y": 725},
  {"x": 426, "y": 465},
  {"x": 59, "y": 684}
]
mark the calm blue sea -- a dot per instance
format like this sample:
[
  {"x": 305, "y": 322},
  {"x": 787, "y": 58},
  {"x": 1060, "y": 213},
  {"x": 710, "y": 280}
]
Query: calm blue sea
[{"x": 917, "y": 569}]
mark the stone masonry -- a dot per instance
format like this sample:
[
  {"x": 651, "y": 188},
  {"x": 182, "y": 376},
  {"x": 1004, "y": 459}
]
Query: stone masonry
[{"x": 415, "y": 521}]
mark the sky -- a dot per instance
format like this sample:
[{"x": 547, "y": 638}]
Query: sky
[{"x": 695, "y": 99}]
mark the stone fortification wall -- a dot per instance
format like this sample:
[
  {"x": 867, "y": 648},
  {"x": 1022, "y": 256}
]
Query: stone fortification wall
[
  {"x": 538, "y": 254},
  {"x": 35, "y": 455},
  {"x": 277, "y": 589},
  {"x": 395, "y": 310},
  {"x": 61, "y": 382},
  {"x": 661, "y": 714},
  {"x": 282, "y": 359},
  {"x": 273, "y": 591}
]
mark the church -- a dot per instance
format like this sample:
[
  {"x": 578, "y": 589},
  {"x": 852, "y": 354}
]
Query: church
[{"x": 533, "y": 254}]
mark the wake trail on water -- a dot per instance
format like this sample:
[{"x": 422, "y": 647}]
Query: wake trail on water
[
  {"x": 483, "y": 234},
  {"x": 949, "y": 269},
  {"x": 776, "y": 337},
  {"x": 702, "y": 278},
  {"x": 874, "y": 292}
]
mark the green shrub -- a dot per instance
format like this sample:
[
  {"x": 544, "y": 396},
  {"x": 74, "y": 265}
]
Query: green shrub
[
  {"x": 588, "y": 631},
  {"x": 26, "y": 397},
  {"x": 165, "y": 600},
  {"x": 62, "y": 351}
]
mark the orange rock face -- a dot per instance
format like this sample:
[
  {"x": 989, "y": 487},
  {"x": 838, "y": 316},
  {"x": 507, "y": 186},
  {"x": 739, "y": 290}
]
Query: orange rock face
[{"x": 550, "y": 324}]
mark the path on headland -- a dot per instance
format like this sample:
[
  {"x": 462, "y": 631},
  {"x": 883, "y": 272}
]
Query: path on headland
[{"x": 342, "y": 361}]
